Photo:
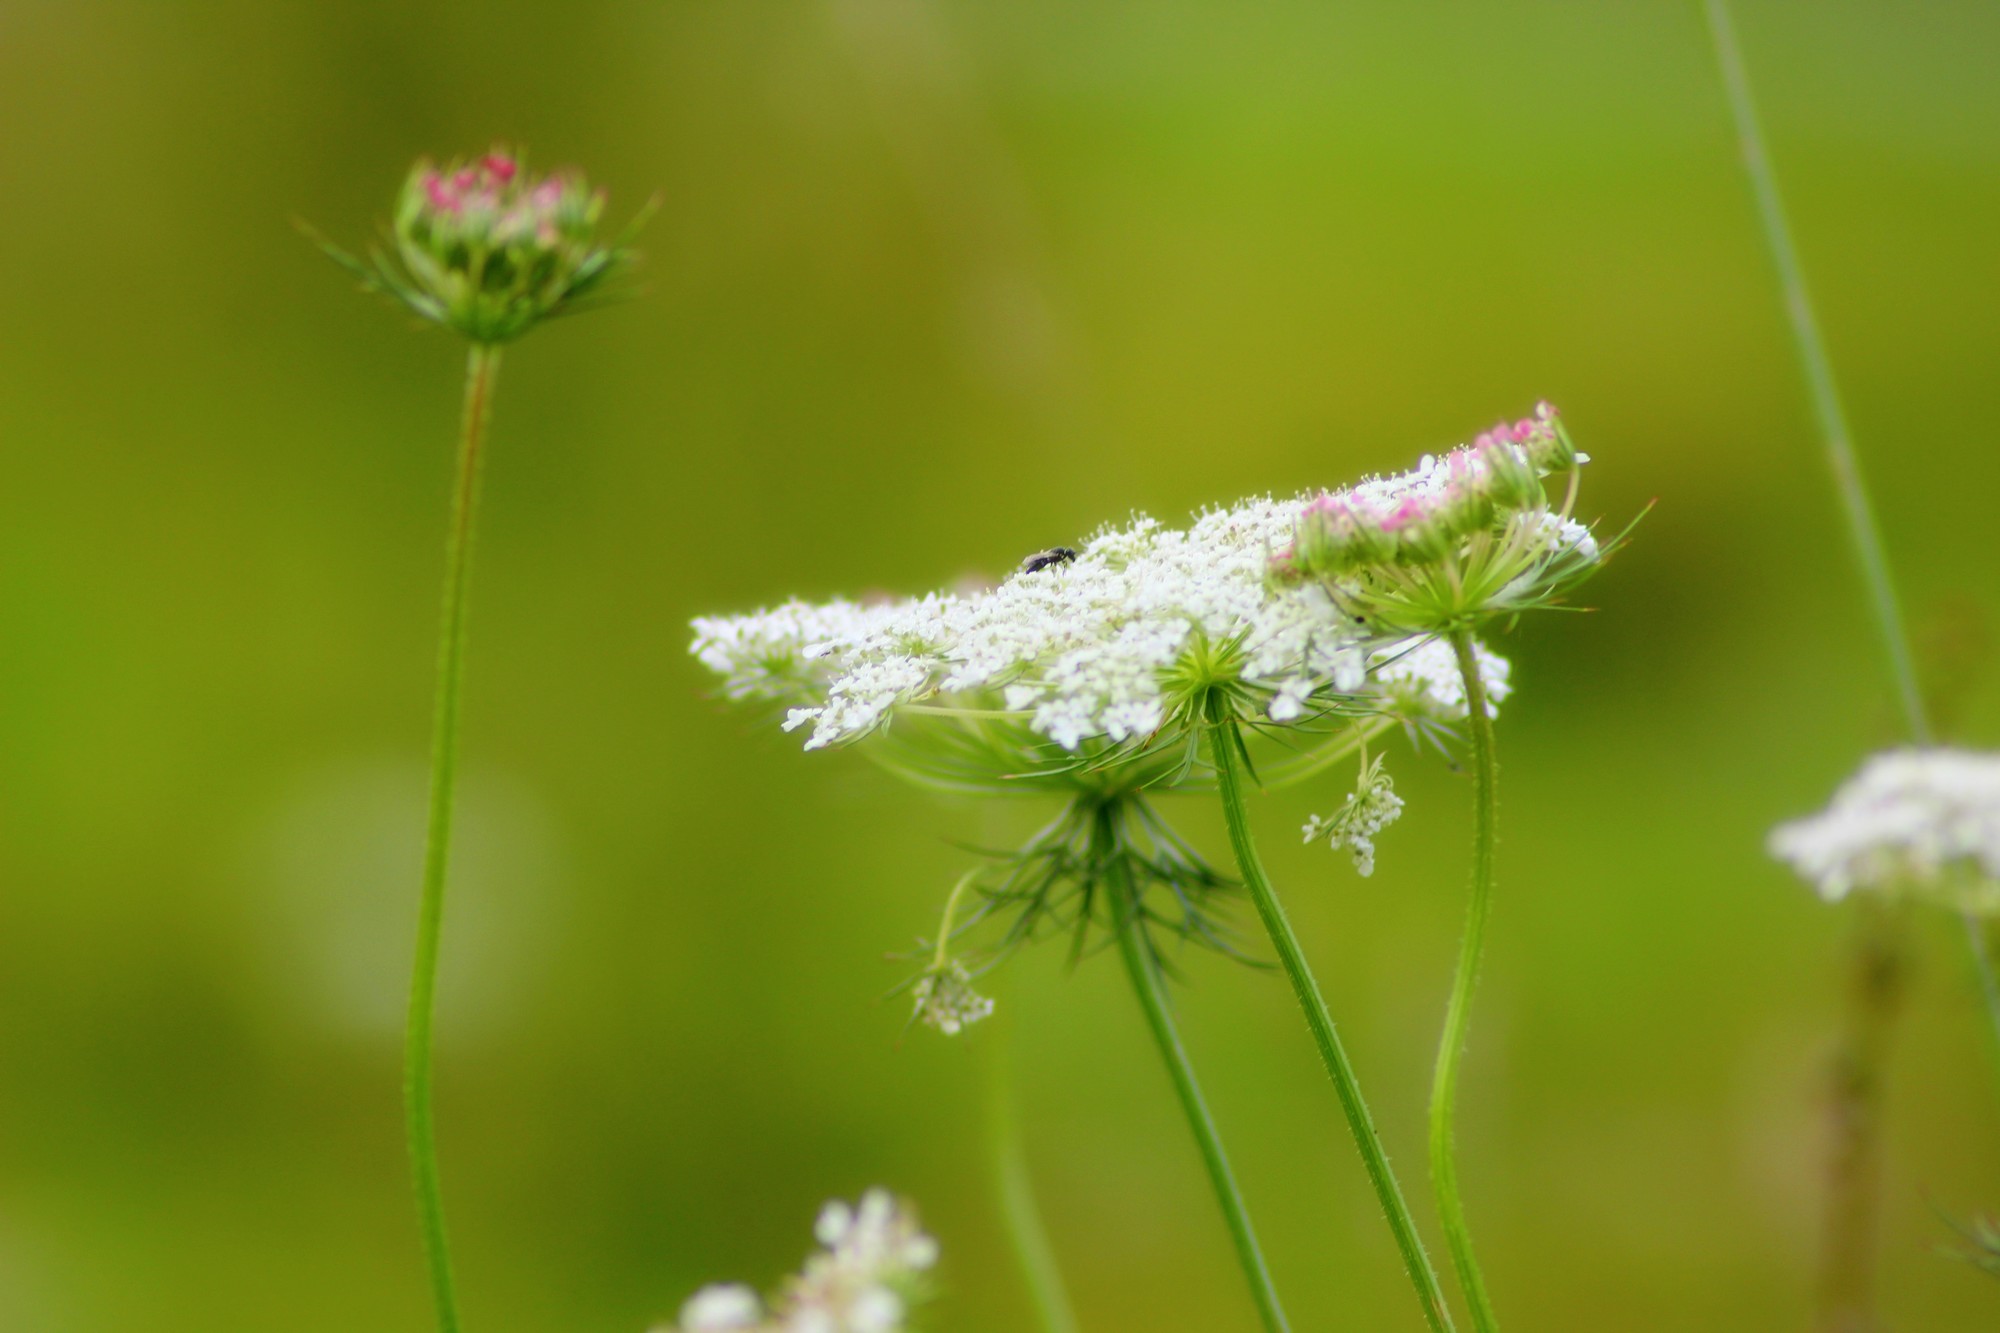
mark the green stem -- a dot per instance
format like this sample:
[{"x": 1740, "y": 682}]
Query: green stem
[
  {"x": 1023, "y": 1220},
  {"x": 1150, "y": 987},
  {"x": 1225, "y": 742},
  {"x": 481, "y": 366},
  {"x": 1875, "y": 988},
  {"x": 1458, "y": 1013}
]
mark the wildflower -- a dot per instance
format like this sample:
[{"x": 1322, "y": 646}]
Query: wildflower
[
  {"x": 945, "y": 999},
  {"x": 866, "y": 1278},
  {"x": 1920, "y": 822},
  {"x": 1104, "y": 652},
  {"x": 489, "y": 251},
  {"x": 1370, "y": 808},
  {"x": 1092, "y": 676},
  {"x": 1454, "y": 542}
]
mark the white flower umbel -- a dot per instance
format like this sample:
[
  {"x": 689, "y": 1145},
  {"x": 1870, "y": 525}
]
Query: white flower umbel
[
  {"x": 1104, "y": 649},
  {"x": 867, "y": 1277},
  {"x": 1919, "y": 822}
]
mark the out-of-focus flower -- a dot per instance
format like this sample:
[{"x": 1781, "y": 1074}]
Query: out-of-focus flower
[
  {"x": 1921, "y": 822},
  {"x": 489, "y": 251},
  {"x": 945, "y": 999},
  {"x": 1453, "y": 543},
  {"x": 867, "y": 1277}
]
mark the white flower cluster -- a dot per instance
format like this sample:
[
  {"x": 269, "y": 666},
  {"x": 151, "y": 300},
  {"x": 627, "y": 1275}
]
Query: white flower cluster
[
  {"x": 1079, "y": 647},
  {"x": 1923, "y": 820},
  {"x": 1420, "y": 679},
  {"x": 1371, "y": 807},
  {"x": 861, "y": 1282},
  {"x": 946, "y": 1001}
]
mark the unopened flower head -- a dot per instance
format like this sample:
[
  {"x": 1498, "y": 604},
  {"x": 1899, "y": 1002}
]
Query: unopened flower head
[
  {"x": 1455, "y": 541},
  {"x": 866, "y": 1278},
  {"x": 1916, "y": 822},
  {"x": 1370, "y": 808},
  {"x": 945, "y": 999},
  {"x": 1102, "y": 659},
  {"x": 489, "y": 251}
]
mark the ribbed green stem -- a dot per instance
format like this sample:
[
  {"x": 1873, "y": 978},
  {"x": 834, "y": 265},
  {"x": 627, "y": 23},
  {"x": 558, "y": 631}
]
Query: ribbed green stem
[
  {"x": 481, "y": 367},
  {"x": 1863, "y": 530},
  {"x": 1150, "y": 987},
  {"x": 1458, "y": 1013},
  {"x": 1023, "y": 1220},
  {"x": 1225, "y": 742}
]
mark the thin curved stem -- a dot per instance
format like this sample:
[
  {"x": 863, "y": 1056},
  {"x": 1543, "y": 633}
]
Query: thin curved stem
[
  {"x": 1821, "y": 386},
  {"x": 1150, "y": 987},
  {"x": 481, "y": 367},
  {"x": 1015, "y": 1185},
  {"x": 1458, "y": 1013},
  {"x": 1225, "y": 740}
]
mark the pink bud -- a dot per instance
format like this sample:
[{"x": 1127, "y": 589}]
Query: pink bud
[
  {"x": 441, "y": 195},
  {"x": 1412, "y": 510},
  {"x": 500, "y": 168}
]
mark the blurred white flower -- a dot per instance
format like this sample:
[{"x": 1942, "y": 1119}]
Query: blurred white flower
[
  {"x": 865, "y": 1279},
  {"x": 722, "y": 1307},
  {"x": 1925, "y": 822},
  {"x": 945, "y": 999}
]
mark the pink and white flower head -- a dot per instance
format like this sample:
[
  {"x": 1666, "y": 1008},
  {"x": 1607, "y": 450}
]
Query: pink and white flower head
[
  {"x": 488, "y": 250},
  {"x": 1087, "y": 673},
  {"x": 1453, "y": 542}
]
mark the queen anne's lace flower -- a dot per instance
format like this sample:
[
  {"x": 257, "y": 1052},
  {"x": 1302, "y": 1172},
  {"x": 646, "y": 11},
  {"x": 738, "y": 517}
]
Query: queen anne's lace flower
[
  {"x": 865, "y": 1280},
  {"x": 1082, "y": 650},
  {"x": 1920, "y": 821}
]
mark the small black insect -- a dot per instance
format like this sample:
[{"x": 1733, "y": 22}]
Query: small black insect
[{"x": 1055, "y": 555}]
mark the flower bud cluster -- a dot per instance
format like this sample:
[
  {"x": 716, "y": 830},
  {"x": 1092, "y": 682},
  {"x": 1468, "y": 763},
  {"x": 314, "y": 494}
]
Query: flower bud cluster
[
  {"x": 1371, "y": 807},
  {"x": 486, "y": 249},
  {"x": 1923, "y": 823},
  {"x": 1457, "y": 540},
  {"x": 945, "y": 999},
  {"x": 866, "y": 1279}
]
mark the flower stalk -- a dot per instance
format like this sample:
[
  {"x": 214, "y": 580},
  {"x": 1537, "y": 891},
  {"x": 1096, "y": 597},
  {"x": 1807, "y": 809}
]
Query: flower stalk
[
  {"x": 1225, "y": 744},
  {"x": 482, "y": 365},
  {"x": 1458, "y": 1012},
  {"x": 1019, "y": 1213},
  {"x": 1875, "y": 984},
  {"x": 1143, "y": 968}
]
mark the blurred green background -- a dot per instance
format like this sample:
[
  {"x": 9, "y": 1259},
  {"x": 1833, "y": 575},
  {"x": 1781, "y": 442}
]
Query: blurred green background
[{"x": 935, "y": 284}]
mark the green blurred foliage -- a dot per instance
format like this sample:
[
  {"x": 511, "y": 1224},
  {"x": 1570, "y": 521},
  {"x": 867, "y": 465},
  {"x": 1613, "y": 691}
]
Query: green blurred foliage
[{"x": 935, "y": 284}]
